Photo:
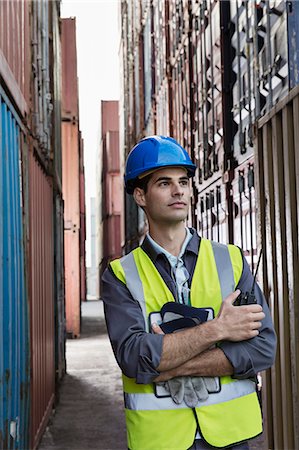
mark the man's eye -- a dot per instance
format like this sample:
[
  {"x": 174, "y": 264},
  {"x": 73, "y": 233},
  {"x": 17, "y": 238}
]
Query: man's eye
[
  {"x": 184, "y": 183},
  {"x": 163, "y": 183}
]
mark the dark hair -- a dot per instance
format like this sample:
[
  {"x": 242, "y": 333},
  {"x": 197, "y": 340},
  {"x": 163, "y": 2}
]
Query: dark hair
[{"x": 142, "y": 182}]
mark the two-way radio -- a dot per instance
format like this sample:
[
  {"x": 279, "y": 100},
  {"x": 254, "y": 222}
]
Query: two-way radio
[{"x": 247, "y": 298}]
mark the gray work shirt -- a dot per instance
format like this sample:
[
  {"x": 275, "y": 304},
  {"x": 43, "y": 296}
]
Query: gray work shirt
[{"x": 138, "y": 353}]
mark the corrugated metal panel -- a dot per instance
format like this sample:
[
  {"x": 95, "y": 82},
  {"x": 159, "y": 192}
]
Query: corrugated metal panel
[
  {"x": 59, "y": 288},
  {"x": 14, "y": 338},
  {"x": 212, "y": 212},
  {"x": 55, "y": 64},
  {"x": 260, "y": 65},
  {"x": 244, "y": 220},
  {"x": 41, "y": 94},
  {"x": 14, "y": 50},
  {"x": 162, "y": 110},
  {"x": 109, "y": 116},
  {"x": 147, "y": 68},
  {"x": 112, "y": 149},
  {"x": 41, "y": 293},
  {"x": 69, "y": 78},
  {"x": 72, "y": 282},
  {"x": 278, "y": 174},
  {"x": 159, "y": 34},
  {"x": 112, "y": 244},
  {"x": 208, "y": 114}
]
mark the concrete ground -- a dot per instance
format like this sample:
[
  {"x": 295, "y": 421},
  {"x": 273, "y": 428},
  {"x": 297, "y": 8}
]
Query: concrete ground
[{"x": 90, "y": 414}]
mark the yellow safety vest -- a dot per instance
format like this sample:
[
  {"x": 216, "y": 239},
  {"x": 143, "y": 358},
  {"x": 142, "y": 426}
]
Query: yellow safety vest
[{"x": 233, "y": 415}]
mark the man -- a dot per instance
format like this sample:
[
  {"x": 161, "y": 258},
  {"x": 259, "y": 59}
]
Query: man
[{"x": 193, "y": 388}]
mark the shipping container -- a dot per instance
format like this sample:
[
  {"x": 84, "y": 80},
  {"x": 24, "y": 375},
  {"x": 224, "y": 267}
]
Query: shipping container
[
  {"x": 261, "y": 45},
  {"x": 41, "y": 295},
  {"x": 71, "y": 143},
  {"x": 41, "y": 95},
  {"x": 244, "y": 210},
  {"x": 70, "y": 106},
  {"x": 71, "y": 196},
  {"x": 112, "y": 216},
  {"x": 15, "y": 51},
  {"x": 278, "y": 208},
  {"x": 226, "y": 69},
  {"x": 14, "y": 314},
  {"x": 59, "y": 289},
  {"x": 212, "y": 212},
  {"x": 30, "y": 76}
]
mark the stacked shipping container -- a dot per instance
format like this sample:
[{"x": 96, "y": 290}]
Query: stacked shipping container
[
  {"x": 112, "y": 208},
  {"x": 31, "y": 220},
  {"x": 206, "y": 72},
  {"x": 72, "y": 182}
]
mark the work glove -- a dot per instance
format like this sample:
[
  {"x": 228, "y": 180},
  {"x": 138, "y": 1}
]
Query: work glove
[
  {"x": 190, "y": 389},
  {"x": 175, "y": 387},
  {"x": 212, "y": 384},
  {"x": 198, "y": 389}
]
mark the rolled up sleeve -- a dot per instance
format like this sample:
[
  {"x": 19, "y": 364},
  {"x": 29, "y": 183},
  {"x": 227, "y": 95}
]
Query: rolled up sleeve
[
  {"x": 137, "y": 352},
  {"x": 257, "y": 354}
]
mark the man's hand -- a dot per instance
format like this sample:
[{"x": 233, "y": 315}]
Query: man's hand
[
  {"x": 156, "y": 329},
  {"x": 238, "y": 323}
]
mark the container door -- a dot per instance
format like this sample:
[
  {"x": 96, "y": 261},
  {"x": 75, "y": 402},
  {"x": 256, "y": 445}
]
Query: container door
[{"x": 14, "y": 349}]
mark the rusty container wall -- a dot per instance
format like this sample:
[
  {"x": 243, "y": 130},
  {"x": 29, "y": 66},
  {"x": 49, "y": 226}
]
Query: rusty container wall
[
  {"x": 41, "y": 286},
  {"x": 244, "y": 211},
  {"x": 41, "y": 96},
  {"x": 278, "y": 195},
  {"x": 14, "y": 314},
  {"x": 71, "y": 195},
  {"x": 15, "y": 51},
  {"x": 56, "y": 88},
  {"x": 109, "y": 114},
  {"x": 59, "y": 294},
  {"x": 211, "y": 213},
  {"x": 69, "y": 67},
  {"x": 112, "y": 186},
  {"x": 60, "y": 360},
  {"x": 260, "y": 65},
  {"x": 71, "y": 176}
]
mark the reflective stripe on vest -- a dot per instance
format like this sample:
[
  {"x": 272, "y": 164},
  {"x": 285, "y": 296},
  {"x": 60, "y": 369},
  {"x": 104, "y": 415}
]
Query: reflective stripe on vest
[
  {"x": 149, "y": 402},
  {"x": 224, "y": 269},
  {"x": 134, "y": 283}
]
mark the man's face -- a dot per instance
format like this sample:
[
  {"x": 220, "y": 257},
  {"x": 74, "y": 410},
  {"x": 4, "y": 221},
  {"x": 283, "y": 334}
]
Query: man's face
[{"x": 167, "y": 197}]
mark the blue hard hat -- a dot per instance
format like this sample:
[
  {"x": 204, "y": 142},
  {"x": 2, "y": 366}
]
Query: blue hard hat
[{"x": 155, "y": 152}]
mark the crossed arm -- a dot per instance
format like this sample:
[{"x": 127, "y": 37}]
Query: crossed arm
[
  {"x": 151, "y": 357},
  {"x": 189, "y": 351}
]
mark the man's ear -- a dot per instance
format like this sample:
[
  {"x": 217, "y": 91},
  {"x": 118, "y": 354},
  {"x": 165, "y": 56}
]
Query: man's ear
[{"x": 139, "y": 197}]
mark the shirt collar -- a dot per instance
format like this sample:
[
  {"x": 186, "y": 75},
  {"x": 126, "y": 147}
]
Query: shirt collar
[{"x": 153, "y": 252}]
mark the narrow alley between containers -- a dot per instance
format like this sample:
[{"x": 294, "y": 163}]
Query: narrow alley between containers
[
  {"x": 89, "y": 414},
  {"x": 81, "y": 83}
]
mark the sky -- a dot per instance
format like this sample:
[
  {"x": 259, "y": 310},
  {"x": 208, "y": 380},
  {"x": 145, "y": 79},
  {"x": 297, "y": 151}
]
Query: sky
[{"x": 98, "y": 37}]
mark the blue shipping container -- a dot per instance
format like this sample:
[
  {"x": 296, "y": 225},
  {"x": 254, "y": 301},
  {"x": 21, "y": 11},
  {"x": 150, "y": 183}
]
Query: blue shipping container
[{"x": 14, "y": 339}]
